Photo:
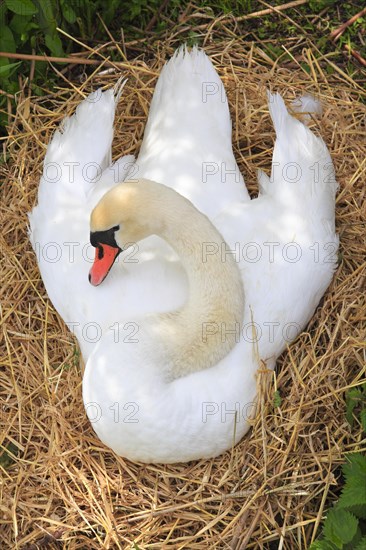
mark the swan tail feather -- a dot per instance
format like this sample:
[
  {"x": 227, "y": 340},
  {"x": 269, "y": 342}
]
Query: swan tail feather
[
  {"x": 81, "y": 148},
  {"x": 264, "y": 182},
  {"x": 307, "y": 105},
  {"x": 83, "y": 141},
  {"x": 78, "y": 160},
  {"x": 190, "y": 93},
  {"x": 302, "y": 175}
]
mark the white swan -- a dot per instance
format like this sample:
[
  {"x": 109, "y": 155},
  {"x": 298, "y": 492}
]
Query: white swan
[{"x": 164, "y": 398}]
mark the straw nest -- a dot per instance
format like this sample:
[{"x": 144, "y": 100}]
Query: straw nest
[{"x": 61, "y": 488}]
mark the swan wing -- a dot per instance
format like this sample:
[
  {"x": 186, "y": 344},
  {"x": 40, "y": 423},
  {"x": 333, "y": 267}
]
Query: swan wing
[
  {"x": 77, "y": 172},
  {"x": 285, "y": 240},
  {"x": 187, "y": 141}
]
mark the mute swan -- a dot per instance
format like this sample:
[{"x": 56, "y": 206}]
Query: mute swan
[{"x": 170, "y": 343}]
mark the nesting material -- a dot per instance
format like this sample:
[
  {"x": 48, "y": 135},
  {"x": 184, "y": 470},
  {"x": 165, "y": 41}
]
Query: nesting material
[{"x": 59, "y": 482}]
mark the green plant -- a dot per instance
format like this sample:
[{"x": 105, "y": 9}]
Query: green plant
[
  {"x": 7, "y": 455},
  {"x": 318, "y": 5},
  {"x": 277, "y": 400},
  {"x": 356, "y": 403},
  {"x": 345, "y": 524},
  {"x": 24, "y": 26},
  {"x": 30, "y": 27}
]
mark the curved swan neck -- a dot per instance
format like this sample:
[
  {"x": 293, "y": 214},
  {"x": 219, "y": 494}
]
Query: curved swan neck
[
  {"x": 206, "y": 328},
  {"x": 208, "y": 325}
]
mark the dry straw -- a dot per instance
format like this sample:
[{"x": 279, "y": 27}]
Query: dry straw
[{"x": 64, "y": 489}]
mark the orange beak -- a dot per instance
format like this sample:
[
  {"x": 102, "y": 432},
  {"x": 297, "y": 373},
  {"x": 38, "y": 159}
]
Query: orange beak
[{"x": 105, "y": 256}]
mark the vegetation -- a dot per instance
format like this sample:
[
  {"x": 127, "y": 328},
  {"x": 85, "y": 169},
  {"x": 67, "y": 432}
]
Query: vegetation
[
  {"x": 345, "y": 524},
  {"x": 31, "y": 27}
]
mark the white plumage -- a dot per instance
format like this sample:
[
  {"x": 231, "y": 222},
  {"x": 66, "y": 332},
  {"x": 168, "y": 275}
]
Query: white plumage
[{"x": 284, "y": 244}]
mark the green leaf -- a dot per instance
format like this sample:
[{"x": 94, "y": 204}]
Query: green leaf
[
  {"x": 322, "y": 544},
  {"x": 30, "y": 27},
  {"x": 54, "y": 44},
  {"x": 277, "y": 399},
  {"x": 355, "y": 468},
  {"x": 6, "y": 460},
  {"x": 6, "y": 70},
  {"x": 109, "y": 10},
  {"x": 318, "y": 5},
  {"x": 340, "y": 527},
  {"x": 354, "y": 495},
  {"x": 36, "y": 89},
  {"x": 46, "y": 17},
  {"x": 352, "y": 398},
  {"x": 68, "y": 13},
  {"x": 3, "y": 10},
  {"x": 21, "y": 7},
  {"x": 7, "y": 42},
  {"x": 356, "y": 539},
  {"x": 363, "y": 419},
  {"x": 19, "y": 23},
  {"x": 361, "y": 545},
  {"x": 358, "y": 510}
]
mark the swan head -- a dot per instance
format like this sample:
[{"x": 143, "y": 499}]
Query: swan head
[{"x": 124, "y": 216}]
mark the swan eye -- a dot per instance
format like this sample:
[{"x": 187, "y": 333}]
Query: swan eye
[{"x": 98, "y": 238}]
